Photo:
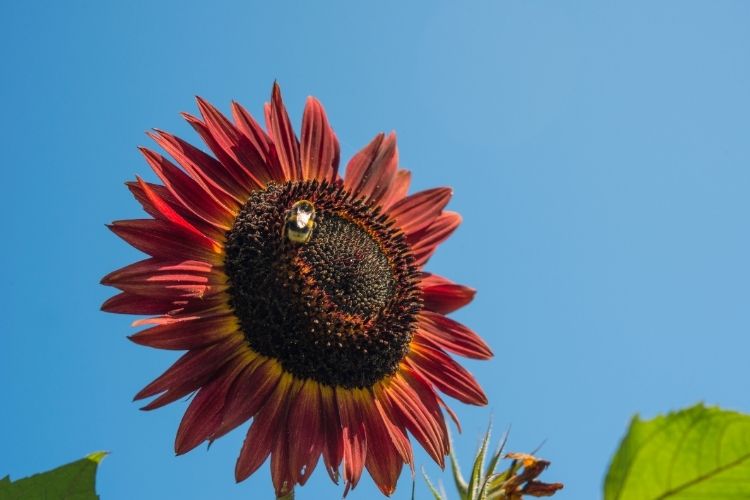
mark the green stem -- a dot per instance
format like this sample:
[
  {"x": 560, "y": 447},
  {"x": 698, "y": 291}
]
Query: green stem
[{"x": 288, "y": 496}]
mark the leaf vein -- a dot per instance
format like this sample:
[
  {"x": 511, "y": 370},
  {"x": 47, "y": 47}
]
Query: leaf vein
[{"x": 707, "y": 475}]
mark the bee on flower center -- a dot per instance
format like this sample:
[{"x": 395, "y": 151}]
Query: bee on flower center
[{"x": 300, "y": 222}]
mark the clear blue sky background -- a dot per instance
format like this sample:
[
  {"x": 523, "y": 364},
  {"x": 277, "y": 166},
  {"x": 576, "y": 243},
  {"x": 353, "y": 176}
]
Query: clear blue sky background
[{"x": 600, "y": 157}]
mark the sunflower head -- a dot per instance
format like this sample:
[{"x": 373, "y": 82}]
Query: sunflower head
[{"x": 299, "y": 296}]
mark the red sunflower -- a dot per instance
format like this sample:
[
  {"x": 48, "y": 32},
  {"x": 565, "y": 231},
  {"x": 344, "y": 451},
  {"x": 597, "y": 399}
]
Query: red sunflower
[{"x": 299, "y": 297}]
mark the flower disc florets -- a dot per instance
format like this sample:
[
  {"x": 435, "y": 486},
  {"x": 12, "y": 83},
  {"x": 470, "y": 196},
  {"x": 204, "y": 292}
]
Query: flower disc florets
[{"x": 339, "y": 308}]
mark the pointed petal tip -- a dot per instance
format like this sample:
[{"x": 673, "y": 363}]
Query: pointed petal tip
[
  {"x": 203, "y": 105},
  {"x": 276, "y": 92},
  {"x": 107, "y": 304},
  {"x": 239, "y": 476},
  {"x": 149, "y": 154},
  {"x": 482, "y": 353},
  {"x": 190, "y": 118},
  {"x": 237, "y": 107}
]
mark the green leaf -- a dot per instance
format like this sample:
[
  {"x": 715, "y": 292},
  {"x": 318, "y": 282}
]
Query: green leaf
[
  {"x": 435, "y": 493},
  {"x": 485, "y": 489},
  {"x": 496, "y": 482},
  {"x": 74, "y": 481},
  {"x": 476, "y": 479},
  {"x": 496, "y": 457},
  {"x": 458, "y": 477},
  {"x": 699, "y": 452}
]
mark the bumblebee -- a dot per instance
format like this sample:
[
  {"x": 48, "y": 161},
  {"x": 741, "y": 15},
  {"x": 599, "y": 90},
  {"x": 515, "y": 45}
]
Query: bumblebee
[{"x": 300, "y": 222}]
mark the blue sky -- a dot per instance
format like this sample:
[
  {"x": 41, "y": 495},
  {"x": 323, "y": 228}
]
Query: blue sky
[{"x": 599, "y": 154}]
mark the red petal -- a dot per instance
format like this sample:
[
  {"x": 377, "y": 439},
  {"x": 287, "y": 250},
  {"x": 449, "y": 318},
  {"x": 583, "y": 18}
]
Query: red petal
[
  {"x": 395, "y": 428},
  {"x": 189, "y": 333},
  {"x": 425, "y": 242},
  {"x": 192, "y": 270},
  {"x": 140, "y": 195},
  {"x": 383, "y": 460},
  {"x": 398, "y": 189},
  {"x": 263, "y": 432},
  {"x": 187, "y": 308},
  {"x": 418, "y": 410},
  {"x": 452, "y": 336},
  {"x": 202, "y": 168},
  {"x": 287, "y": 146},
  {"x": 203, "y": 415},
  {"x": 320, "y": 148},
  {"x": 242, "y": 152},
  {"x": 248, "y": 394},
  {"x": 419, "y": 210},
  {"x": 282, "y": 474},
  {"x": 175, "y": 205},
  {"x": 155, "y": 278},
  {"x": 194, "y": 365},
  {"x": 160, "y": 239},
  {"x": 237, "y": 178},
  {"x": 192, "y": 195},
  {"x": 370, "y": 172},
  {"x": 333, "y": 451},
  {"x": 354, "y": 437},
  {"x": 447, "y": 375},
  {"x": 450, "y": 412},
  {"x": 443, "y": 296},
  {"x": 127, "y": 303},
  {"x": 262, "y": 143},
  {"x": 306, "y": 436},
  {"x": 171, "y": 215}
]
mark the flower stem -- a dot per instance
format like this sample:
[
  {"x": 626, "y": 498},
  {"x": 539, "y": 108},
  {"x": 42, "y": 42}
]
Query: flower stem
[{"x": 288, "y": 496}]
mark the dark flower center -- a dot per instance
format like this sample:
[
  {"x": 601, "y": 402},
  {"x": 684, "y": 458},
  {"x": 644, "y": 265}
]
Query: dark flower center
[{"x": 337, "y": 305}]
